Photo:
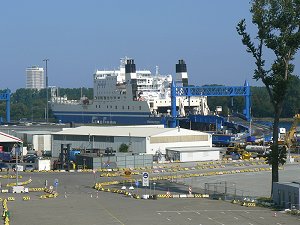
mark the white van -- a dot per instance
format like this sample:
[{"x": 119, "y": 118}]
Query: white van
[{"x": 18, "y": 189}]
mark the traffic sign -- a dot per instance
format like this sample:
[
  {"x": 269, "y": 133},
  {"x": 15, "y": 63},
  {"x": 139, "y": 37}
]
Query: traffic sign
[
  {"x": 190, "y": 190},
  {"x": 127, "y": 173},
  {"x": 145, "y": 179},
  {"x": 137, "y": 183},
  {"x": 55, "y": 184}
]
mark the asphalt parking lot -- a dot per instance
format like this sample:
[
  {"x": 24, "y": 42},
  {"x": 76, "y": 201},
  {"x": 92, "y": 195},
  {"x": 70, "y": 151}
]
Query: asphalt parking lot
[
  {"x": 78, "y": 203},
  {"x": 249, "y": 184},
  {"x": 116, "y": 209}
]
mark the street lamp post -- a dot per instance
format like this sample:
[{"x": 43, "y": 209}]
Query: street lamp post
[
  {"x": 47, "y": 110},
  {"x": 17, "y": 172}
]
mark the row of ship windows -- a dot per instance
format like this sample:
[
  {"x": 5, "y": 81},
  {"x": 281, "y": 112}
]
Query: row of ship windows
[
  {"x": 116, "y": 107},
  {"x": 168, "y": 101},
  {"x": 107, "y": 98},
  {"x": 112, "y": 98}
]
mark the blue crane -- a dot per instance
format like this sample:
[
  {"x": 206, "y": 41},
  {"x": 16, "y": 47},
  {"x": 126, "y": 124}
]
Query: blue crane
[
  {"x": 190, "y": 91},
  {"x": 5, "y": 96}
]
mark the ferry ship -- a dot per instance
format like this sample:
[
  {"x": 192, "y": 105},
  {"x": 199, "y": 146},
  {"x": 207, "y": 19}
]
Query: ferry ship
[{"x": 128, "y": 96}]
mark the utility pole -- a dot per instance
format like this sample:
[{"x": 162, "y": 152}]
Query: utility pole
[{"x": 47, "y": 110}]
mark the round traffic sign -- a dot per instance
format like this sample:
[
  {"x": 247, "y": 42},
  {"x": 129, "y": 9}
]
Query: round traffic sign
[
  {"x": 145, "y": 175},
  {"x": 127, "y": 172}
]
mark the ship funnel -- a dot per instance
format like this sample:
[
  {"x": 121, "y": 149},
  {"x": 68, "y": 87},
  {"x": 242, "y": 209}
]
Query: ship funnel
[
  {"x": 130, "y": 66},
  {"x": 181, "y": 73},
  {"x": 131, "y": 81}
]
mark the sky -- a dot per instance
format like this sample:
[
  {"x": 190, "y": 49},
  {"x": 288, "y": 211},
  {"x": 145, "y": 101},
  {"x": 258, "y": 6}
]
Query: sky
[{"x": 79, "y": 37}]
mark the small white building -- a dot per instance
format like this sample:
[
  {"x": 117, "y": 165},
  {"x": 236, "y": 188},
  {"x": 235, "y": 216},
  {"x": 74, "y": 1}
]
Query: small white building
[
  {"x": 140, "y": 139},
  {"x": 40, "y": 141},
  {"x": 189, "y": 154},
  {"x": 43, "y": 164}
]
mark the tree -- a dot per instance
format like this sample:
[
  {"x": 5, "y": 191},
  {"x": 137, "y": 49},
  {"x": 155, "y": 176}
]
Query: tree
[
  {"x": 278, "y": 24},
  {"x": 123, "y": 148}
]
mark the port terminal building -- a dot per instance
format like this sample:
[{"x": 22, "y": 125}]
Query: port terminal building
[{"x": 139, "y": 139}]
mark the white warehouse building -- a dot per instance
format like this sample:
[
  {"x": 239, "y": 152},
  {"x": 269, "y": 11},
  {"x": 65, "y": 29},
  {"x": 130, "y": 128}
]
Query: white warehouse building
[{"x": 140, "y": 139}]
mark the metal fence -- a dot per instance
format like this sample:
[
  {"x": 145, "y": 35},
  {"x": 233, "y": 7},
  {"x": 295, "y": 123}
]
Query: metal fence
[{"x": 220, "y": 190}]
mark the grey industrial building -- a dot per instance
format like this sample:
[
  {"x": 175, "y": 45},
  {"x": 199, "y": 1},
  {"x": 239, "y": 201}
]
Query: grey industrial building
[
  {"x": 287, "y": 194},
  {"x": 140, "y": 139}
]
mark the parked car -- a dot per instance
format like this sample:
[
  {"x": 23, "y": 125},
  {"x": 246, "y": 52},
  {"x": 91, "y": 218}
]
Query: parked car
[
  {"x": 4, "y": 166},
  {"x": 30, "y": 158},
  {"x": 20, "y": 167},
  {"x": 29, "y": 168}
]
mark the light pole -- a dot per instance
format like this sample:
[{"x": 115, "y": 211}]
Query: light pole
[
  {"x": 17, "y": 174},
  {"x": 47, "y": 110}
]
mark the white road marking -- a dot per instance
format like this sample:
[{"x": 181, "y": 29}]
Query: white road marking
[
  {"x": 223, "y": 212},
  {"x": 178, "y": 213},
  {"x": 169, "y": 219},
  {"x": 198, "y": 213},
  {"x": 261, "y": 217},
  {"x": 189, "y": 219},
  {"x": 250, "y": 223},
  {"x": 247, "y": 212},
  {"x": 216, "y": 221},
  {"x": 279, "y": 224},
  {"x": 159, "y": 213},
  {"x": 211, "y": 210},
  {"x": 236, "y": 218}
]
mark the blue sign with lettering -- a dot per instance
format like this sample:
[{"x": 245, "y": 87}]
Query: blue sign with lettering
[{"x": 55, "y": 184}]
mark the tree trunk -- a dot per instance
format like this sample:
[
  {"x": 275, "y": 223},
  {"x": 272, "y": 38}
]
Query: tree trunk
[{"x": 275, "y": 152}]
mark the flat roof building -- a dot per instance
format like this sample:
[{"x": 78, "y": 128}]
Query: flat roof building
[
  {"x": 35, "y": 78},
  {"x": 139, "y": 139},
  {"x": 287, "y": 194}
]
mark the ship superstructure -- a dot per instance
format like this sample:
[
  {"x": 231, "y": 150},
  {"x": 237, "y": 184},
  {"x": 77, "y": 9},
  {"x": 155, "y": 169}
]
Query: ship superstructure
[{"x": 128, "y": 96}]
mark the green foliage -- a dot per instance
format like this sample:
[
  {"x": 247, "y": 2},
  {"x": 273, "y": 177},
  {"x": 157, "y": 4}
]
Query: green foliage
[
  {"x": 282, "y": 156},
  {"x": 31, "y": 103},
  {"x": 123, "y": 148},
  {"x": 292, "y": 103},
  {"x": 261, "y": 104}
]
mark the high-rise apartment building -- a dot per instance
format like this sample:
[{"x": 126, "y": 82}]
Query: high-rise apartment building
[{"x": 35, "y": 78}]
